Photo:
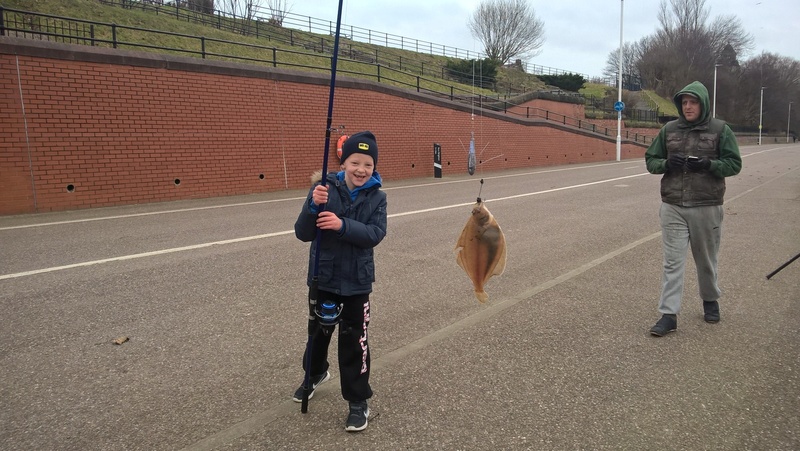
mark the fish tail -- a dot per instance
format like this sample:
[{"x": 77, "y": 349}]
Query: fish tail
[{"x": 482, "y": 296}]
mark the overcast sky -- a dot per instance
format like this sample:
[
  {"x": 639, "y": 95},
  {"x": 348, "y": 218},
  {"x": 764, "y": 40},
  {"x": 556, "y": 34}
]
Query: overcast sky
[{"x": 579, "y": 34}]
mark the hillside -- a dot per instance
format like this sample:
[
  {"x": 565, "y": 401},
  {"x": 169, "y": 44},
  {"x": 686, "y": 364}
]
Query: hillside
[
  {"x": 399, "y": 67},
  {"x": 164, "y": 33}
]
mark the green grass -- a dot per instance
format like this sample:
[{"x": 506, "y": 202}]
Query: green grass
[
  {"x": 594, "y": 89},
  {"x": 665, "y": 106}
]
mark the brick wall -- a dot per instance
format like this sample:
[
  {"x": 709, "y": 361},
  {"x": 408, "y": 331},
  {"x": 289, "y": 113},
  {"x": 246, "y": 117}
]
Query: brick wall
[{"x": 85, "y": 127}]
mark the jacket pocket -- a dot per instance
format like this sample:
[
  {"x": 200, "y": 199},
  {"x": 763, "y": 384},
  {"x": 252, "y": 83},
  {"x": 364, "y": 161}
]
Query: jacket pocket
[
  {"x": 707, "y": 144},
  {"x": 325, "y": 269},
  {"x": 366, "y": 270}
]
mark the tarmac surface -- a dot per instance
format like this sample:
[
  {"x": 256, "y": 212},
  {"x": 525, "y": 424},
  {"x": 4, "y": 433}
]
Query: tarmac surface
[{"x": 211, "y": 297}]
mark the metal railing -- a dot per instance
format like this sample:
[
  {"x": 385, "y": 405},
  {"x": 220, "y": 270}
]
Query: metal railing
[{"x": 28, "y": 24}]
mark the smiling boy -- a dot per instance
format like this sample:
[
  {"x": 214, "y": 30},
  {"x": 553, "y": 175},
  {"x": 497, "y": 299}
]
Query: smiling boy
[{"x": 350, "y": 210}]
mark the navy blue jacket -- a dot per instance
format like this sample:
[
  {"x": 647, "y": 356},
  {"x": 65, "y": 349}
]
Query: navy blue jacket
[{"x": 346, "y": 263}]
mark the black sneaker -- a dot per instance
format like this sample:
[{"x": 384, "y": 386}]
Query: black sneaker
[
  {"x": 316, "y": 381},
  {"x": 711, "y": 311},
  {"x": 667, "y": 324},
  {"x": 357, "y": 419}
]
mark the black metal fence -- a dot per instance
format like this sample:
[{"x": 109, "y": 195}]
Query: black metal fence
[{"x": 69, "y": 30}]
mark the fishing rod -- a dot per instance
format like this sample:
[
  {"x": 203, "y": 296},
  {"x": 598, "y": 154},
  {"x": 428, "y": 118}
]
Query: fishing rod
[
  {"x": 769, "y": 276},
  {"x": 313, "y": 290}
]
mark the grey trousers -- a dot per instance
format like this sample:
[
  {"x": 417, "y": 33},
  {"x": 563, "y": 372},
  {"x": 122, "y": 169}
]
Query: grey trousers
[{"x": 681, "y": 226}]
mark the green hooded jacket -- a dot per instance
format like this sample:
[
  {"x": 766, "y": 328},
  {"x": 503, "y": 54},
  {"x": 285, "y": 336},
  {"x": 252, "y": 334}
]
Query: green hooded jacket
[{"x": 705, "y": 137}]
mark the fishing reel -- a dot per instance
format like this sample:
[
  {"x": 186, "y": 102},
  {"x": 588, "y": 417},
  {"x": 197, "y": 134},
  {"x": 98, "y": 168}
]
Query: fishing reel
[{"x": 328, "y": 314}]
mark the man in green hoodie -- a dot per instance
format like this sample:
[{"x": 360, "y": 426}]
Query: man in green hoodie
[{"x": 695, "y": 153}]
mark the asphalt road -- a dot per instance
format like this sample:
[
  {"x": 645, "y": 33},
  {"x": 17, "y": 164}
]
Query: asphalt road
[{"x": 211, "y": 296}]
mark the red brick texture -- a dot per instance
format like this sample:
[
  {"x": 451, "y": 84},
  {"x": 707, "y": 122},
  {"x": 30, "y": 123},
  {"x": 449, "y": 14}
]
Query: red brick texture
[{"x": 85, "y": 127}]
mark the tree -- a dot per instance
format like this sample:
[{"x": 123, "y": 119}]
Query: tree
[
  {"x": 780, "y": 76},
  {"x": 686, "y": 47},
  {"x": 243, "y": 9},
  {"x": 507, "y": 29},
  {"x": 203, "y": 6},
  {"x": 278, "y": 9},
  {"x": 631, "y": 53},
  {"x": 567, "y": 82}
]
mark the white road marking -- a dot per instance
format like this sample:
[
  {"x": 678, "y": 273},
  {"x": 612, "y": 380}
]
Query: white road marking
[{"x": 285, "y": 232}]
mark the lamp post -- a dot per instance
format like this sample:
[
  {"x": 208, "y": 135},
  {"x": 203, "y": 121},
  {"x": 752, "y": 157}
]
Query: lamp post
[
  {"x": 788, "y": 122},
  {"x": 760, "y": 114},
  {"x": 619, "y": 97},
  {"x": 714, "y": 108}
]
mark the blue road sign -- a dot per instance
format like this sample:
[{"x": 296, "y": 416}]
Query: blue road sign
[{"x": 619, "y": 106}]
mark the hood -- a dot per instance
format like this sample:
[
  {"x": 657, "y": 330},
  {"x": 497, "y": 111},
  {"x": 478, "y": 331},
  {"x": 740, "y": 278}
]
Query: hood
[{"x": 698, "y": 90}]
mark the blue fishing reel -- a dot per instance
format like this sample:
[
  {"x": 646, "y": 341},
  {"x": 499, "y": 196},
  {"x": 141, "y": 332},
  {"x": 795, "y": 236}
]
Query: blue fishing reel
[{"x": 328, "y": 313}]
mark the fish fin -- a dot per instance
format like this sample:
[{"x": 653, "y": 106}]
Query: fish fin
[
  {"x": 460, "y": 259},
  {"x": 482, "y": 296},
  {"x": 501, "y": 261},
  {"x": 464, "y": 237}
]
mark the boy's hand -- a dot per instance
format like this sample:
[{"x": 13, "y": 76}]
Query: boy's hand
[
  {"x": 327, "y": 220},
  {"x": 320, "y": 195}
]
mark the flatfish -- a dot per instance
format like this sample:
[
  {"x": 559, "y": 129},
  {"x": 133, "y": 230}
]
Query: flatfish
[{"x": 481, "y": 249}]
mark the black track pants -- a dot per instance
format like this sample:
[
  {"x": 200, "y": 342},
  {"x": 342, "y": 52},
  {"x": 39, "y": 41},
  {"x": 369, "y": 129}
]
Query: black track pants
[{"x": 353, "y": 350}]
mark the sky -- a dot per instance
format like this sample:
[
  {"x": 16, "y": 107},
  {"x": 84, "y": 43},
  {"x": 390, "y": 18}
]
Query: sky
[{"x": 579, "y": 34}]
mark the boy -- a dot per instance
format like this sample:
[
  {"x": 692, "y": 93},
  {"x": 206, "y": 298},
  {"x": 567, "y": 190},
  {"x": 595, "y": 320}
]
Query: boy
[{"x": 353, "y": 222}]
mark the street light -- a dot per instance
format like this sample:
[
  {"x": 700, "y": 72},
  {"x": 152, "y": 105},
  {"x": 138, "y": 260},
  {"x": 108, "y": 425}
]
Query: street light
[
  {"x": 619, "y": 97},
  {"x": 760, "y": 114},
  {"x": 788, "y": 122},
  {"x": 714, "y": 109}
]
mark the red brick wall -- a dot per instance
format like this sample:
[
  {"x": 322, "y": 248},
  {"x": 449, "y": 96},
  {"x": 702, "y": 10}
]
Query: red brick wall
[{"x": 123, "y": 127}]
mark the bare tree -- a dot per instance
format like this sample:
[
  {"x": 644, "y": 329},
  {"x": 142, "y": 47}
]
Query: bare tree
[
  {"x": 780, "y": 76},
  {"x": 686, "y": 47},
  {"x": 243, "y": 9},
  {"x": 278, "y": 9},
  {"x": 507, "y": 29},
  {"x": 631, "y": 53}
]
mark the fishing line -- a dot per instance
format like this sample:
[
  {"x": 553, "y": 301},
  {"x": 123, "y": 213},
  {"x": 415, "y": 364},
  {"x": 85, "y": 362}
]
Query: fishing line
[{"x": 313, "y": 291}]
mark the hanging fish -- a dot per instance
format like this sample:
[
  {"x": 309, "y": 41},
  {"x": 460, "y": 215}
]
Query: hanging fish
[
  {"x": 481, "y": 249},
  {"x": 471, "y": 158}
]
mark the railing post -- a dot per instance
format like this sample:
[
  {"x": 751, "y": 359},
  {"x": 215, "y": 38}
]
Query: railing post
[
  {"x": 91, "y": 33},
  {"x": 114, "y": 34},
  {"x": 274, "y": 57},
  {"x": 379, "y": 73},
  {"x": 203, "y": 46},
  {"x": 417, "y": 83},
  {"x": 2, "y": 21}
]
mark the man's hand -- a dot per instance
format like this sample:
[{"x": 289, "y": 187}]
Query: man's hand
[
  {"x": 676, "y": 161},
  {"x": 698, "y": 164}
]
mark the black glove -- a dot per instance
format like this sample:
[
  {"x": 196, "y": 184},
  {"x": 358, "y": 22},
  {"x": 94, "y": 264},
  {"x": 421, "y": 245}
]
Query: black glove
[
  {"x": 676, "y": 161},
  {"x": 698, "y": 164}
]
